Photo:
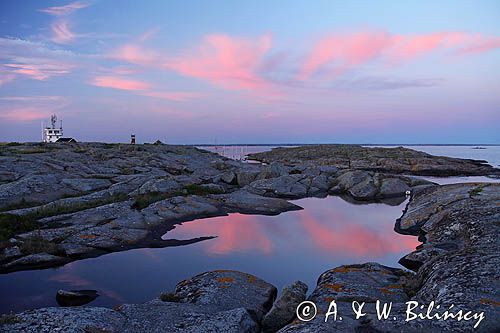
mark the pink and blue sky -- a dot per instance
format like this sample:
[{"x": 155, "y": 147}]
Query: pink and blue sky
[{"x": 252, "y": 71}]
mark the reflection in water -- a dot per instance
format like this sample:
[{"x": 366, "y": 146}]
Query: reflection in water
[
  {"x": 280, "y": 249},
  {"x": 338, "y": 230}
]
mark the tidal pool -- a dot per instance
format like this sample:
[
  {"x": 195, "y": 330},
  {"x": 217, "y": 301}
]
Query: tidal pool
[{"x": 297, "y": 245}]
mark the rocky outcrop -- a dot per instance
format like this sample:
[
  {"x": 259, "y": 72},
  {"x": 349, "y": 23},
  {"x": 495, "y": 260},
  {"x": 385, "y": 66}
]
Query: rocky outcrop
[
  {"x": 456, "y": 268},
  {"x": 386, "y": 160},
  {"x": 218, "y": 301},
  {"x": 66, "y": 202}
]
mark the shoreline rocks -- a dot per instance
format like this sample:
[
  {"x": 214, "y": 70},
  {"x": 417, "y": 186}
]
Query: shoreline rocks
[{"x": 386, "y": 160}]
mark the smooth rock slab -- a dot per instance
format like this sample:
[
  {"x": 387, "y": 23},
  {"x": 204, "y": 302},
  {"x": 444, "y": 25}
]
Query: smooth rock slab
[{"x": 229, "y": 290}]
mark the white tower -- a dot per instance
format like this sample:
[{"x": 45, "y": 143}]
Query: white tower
[{"x": 52, "y": 134}]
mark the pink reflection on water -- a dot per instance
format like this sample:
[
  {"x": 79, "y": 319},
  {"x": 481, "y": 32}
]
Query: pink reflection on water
[
  {"x": 327, "y": 226},
  {"x": 235, "y": 232}
]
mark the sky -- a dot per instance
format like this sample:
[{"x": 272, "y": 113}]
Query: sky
[{"x": 188, "y": 72}]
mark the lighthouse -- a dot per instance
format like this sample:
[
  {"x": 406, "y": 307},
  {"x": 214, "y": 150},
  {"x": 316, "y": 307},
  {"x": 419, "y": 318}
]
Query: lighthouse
[{"x": 51, "y": 133}]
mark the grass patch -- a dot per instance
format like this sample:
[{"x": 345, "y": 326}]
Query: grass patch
[
  {"x": 11, "y": 225},
  {"x": 13, "y": 144},
  {"x": 144, "y": 200},
  {"x": 53, "y": 210},
  {"x": 38, "y": 245},
  {"x": 9, "y": 319},
  {"x": 476, "y": 190},
  {"x": 200, "y": 190},
  {"x": 20, "y": 205},
  {"x": 32, "y": 151},
  {"x": 169, "y": 297}
]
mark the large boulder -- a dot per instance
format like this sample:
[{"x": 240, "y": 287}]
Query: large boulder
[{"x": 229, "y": 290}]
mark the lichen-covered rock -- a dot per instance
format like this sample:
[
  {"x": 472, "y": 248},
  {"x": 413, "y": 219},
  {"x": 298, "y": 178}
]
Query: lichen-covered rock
[
  {"x": 229, "y": 290},
  {"x": 283, "y": 310}
]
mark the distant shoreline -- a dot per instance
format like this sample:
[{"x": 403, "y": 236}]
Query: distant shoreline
[{"x": 357, "y": 144}]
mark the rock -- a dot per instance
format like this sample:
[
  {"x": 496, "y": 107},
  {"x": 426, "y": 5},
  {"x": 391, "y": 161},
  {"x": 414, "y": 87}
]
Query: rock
[
  {"x": 213, "y": 188},
  {"x": 70, "y": 319},
  {"x": 229, "y": 290},
  {"x": 160, "y": 185},
  {"x": 161, "y": 317},
  {"x": 365, "y": 190},
  {"x": 393, "y": 187},
  {"x": 283, "y": 186},
  {"x": 248, "y": 203},
  {"x": 345, "y": 284},
  {"x": 86, "y": 185},
  {"x": 38, "y": 260},
  {"x": 246, "y": 177},
  {"x": 283, "y": 310},
  {"x": 75, "y": 297},
  {"x": 387, "y": 160},
  {"x": 228, "y": 177}
]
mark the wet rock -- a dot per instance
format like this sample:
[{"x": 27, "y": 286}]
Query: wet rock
[
  {"x": 229, "y": 290},
  {"x": 75, "y": 297},
  {"x": 283, "y": 310}
]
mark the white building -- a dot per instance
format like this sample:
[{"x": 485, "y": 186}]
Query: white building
[{"x": 52, "y": 134}]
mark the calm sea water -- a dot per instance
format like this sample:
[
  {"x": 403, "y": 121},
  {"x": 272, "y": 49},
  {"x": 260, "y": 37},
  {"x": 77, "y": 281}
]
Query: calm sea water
[{"x": 280, "y": 249}]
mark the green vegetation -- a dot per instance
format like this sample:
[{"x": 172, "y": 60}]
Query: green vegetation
[
  {"x": 169, "y": 297},
  {"x": 32, "y": 151},
  {"x": 20, "y": 205},
  {"x": 144, "y": 200},
  {"x": 38, "y": 244},
  {"x": 476, "y": 190},
  {"x": 8, "y": 319},
  {"x": 11, "y": 225},
  {"x": 13, "y": 144},
  {"x": 199, "y": 190}
]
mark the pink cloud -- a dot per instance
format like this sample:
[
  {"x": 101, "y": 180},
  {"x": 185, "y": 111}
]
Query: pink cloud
[
  {"x": 346, "y": 51},
  {"x": 119, "y": 83},
  {"x": 64, "y": 10},
  {"x": 36, "y": 70},
  {"x": 335, "y": 54},
  {"x": 61, "y": 33},
  {"x": 480, "y": 45},
  {"x": 22, "y": 114},
  {"x": 178, "y": 96},
  {"x": 226, "y": 61},
  {"x": 136, "y": 54}
]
